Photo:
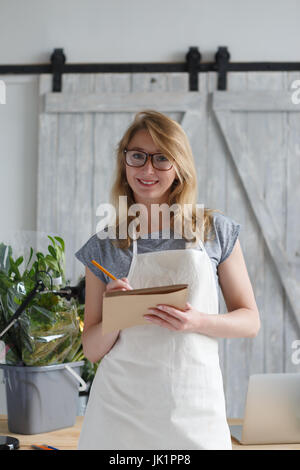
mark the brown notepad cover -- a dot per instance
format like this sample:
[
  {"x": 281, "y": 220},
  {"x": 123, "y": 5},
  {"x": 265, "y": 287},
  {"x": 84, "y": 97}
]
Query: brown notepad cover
[{"x": 122, "y": 309}]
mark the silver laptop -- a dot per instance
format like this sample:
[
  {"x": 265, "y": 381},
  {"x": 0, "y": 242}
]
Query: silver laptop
[{"x": 272, "y": 411}]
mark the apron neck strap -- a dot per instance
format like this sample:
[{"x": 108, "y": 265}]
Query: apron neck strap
[{"x": 134, "y": 247}]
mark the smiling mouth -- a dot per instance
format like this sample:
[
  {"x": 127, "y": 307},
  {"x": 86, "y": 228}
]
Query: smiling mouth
[{"x": 147, "y": 183}]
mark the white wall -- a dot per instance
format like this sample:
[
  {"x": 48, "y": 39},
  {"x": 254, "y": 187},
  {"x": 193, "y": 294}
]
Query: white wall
[
  {"x": 148, "y": 30},
  {"x": 18, "y": 152}
]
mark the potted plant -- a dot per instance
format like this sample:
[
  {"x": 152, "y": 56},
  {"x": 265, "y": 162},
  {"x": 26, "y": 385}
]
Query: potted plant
[{"x": 43, "y": 348}]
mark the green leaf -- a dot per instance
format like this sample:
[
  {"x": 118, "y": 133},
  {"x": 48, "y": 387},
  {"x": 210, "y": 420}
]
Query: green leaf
[
  {"x": 5, "y": 253},
  {"x": 51, "y": 238},
  {"x": 19, "y": 260},
  {"x": 52, "y": 263},
  {"x": 14, "y": 269},
  {"x": 52, "y": 251},
  {"x": 31, "y": 253},
  {"x": 60, "y": 240},
  {"x": 41, "y": 266}
]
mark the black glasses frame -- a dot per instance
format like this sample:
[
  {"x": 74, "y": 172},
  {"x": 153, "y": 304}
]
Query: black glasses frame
[{"x": 151, "y": 155}]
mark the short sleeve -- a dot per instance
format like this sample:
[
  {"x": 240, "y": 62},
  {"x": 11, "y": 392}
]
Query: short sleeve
[
  {"x": 227, "y": 231},
  {"x": 91, "y": 250}
]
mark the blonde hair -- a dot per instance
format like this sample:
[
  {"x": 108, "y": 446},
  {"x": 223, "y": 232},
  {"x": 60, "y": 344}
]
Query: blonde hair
[{"x": 172, "y": 141}]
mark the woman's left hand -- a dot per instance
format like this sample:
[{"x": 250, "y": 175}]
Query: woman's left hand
[{"x": 173, "y": 318}]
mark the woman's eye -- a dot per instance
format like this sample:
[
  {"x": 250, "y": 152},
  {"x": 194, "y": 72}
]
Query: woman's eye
[
  {"x": 161, "y": 158},
  {"x": 138, "y": 156}
]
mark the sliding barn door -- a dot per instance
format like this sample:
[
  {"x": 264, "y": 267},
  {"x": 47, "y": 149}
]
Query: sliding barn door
[
  {"x": 261, "y": 129},
  {"x": 247, "y": 165}
]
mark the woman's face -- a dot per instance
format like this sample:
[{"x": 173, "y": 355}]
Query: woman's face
[{"x": 157, "y": 193}]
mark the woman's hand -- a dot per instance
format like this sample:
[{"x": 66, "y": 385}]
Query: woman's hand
[
  {"x": 118, "y": 284},
  {"x": 188, "y": 319}
]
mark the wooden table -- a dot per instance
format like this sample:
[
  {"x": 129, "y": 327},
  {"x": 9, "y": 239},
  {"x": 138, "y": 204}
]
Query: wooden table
[{"x": 67, "y": 438}]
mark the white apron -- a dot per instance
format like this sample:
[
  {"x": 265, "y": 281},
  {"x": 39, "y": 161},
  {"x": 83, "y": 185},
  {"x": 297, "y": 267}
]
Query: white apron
[{"x": 157, "y": 388}]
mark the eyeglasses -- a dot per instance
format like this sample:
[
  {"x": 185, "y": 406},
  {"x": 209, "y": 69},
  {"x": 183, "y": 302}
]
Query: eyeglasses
[{"x": 138, "y": 158}]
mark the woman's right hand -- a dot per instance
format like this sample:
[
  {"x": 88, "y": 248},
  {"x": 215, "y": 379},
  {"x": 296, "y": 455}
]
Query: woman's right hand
[{"x": 118, "y": 284}]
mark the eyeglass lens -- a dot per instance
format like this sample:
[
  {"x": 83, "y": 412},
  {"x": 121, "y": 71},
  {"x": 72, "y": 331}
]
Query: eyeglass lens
[{"x": 137, "y": 158}]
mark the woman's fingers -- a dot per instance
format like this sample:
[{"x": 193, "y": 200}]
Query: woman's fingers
[
  {"x": 127, "y": 283},
  {"x": 118, "y": 284}
]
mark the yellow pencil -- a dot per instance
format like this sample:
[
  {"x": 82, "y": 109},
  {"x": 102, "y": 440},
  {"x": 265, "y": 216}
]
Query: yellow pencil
[{"x": 103, "y": 269}]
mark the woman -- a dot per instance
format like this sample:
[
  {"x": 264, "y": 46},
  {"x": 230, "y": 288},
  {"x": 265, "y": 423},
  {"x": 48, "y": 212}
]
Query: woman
[{"x": 159, "y": 385}]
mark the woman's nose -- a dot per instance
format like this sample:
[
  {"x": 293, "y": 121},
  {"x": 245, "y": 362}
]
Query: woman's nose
[{"x": 148, "y": 166}]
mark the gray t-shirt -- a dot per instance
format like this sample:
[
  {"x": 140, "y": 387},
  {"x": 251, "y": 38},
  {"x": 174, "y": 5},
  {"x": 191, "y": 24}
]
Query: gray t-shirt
[{"x": 117, "y": 261}]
